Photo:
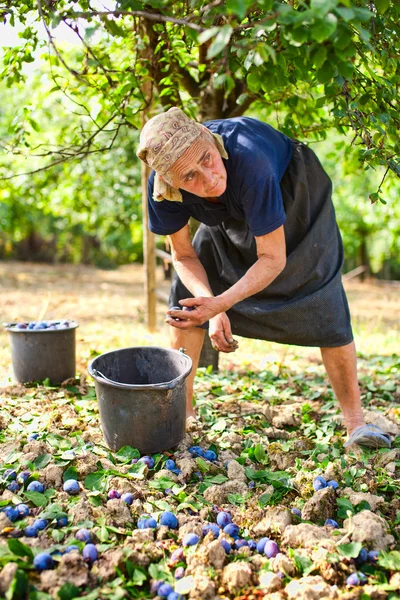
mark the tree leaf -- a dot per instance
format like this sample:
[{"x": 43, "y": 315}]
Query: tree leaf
[
  {"x": 96, "y": 481},
  {"x": 319, "y": 56},
  {"x": 127, "y": 453},
  {"x": 323, "y": 28},
  {"x": 42, "y": 461},
  {"x": 19, "y": 549},
  {"x": 52, "y": 511},
  {"x": 238, "y": 7},
  {"x": 351, "y": 550},
  {"x": 18, "y": 589},
  {"x": 390, "y": 560},
  {"x": 221, "y": 41},
  {"x": 259, "y": 453},
  {"x": 68, "y": 591},
  {"x": 70, "y": 473},
  {"x": 382, "y": 5},
  {"x": 37, "y": 498}
]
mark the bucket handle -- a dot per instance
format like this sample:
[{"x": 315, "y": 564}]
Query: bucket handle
[{"x": 128, "y": 385}]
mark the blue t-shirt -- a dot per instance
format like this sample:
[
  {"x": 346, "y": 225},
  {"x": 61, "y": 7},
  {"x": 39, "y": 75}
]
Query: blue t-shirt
[{"x": 258, "y": 157}]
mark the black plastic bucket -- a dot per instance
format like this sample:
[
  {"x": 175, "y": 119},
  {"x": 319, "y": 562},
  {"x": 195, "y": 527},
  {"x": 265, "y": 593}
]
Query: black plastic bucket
[
  {"x": 38, "y": 354},
  {"x": 141, "y": 393}
]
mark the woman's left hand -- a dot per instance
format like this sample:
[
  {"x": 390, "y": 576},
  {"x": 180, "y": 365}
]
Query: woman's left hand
[{"x": 201, "y": 309}]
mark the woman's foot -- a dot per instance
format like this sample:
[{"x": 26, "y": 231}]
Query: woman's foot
[{"x": 370, "y": 436}]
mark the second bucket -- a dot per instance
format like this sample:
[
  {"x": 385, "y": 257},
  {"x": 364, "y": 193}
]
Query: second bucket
[{"x": 141, "y": 393}]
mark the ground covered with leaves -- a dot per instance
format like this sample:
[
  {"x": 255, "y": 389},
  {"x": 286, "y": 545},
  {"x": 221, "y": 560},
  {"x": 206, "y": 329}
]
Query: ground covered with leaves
[
  {"x": 273, "y": 432},
  {"x": 262, "y": 438}
]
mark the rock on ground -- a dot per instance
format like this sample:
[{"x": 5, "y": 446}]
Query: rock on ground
[
  {"x": 321, "y": 506},
  {"x": 236, "y": 471},
  {"x": 357, "y": 497},
  {"x": 6, "y": 576},
  {"x": 82, "y": 511},
  {"x": 306, "y": 535},
  {"x": 118, "y": 513},
  {"x": 276, "y": 519},
  {"x": 53, "y": 476},
  {"x": 369, "y": 529},
  {"x": 218, "y": 494},
  {"x": 203, "y": 588},
  {"x": 213, "y": 554},
  {"x": 379, "y": 419},
  {"x": 72, "y": 569},
  {"x": 236, "y": 576},
  {"x": 310, "y": 588},
  {"x": 270, "y": 582},
  {"x": 286, "y": 415},
  {"x": 282, "y": 563}
]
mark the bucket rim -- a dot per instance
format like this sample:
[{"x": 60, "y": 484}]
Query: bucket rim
[
  {"x": 11, "y": 329},
  {"x": 137, "y": 386}
]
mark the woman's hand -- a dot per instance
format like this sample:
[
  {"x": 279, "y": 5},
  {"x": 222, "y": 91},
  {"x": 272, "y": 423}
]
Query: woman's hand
[
  {"x": 195, "y": 312},
  {"x": 221, "y": 334}
]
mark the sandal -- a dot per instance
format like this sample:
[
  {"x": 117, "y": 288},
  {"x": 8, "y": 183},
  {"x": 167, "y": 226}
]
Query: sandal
[{"x": 370, "y": 436}]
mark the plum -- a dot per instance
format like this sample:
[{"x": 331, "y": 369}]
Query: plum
[
  {"x": 43, "y": 561},
  {"x": 319, "y": 483},
  {"x": 169, "y": 520},
  {"x": 190, "y": 539},
  {"x": 71, "y": 486},
  {"x": 224, "y": 518}
]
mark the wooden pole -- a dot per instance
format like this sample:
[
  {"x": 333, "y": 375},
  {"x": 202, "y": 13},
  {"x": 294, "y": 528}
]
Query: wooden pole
[{"x": 149, "y": 256}]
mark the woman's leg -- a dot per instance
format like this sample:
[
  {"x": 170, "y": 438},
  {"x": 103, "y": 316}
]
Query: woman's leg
[
  {"x": 341, "y": 366},
  {"x": 192, "y": 341}
]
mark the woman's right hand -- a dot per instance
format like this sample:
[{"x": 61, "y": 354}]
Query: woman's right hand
[{"x": 221, "y": 334}]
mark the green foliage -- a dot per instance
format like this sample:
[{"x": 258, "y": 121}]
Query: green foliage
[{"x": 310, "y": 67}]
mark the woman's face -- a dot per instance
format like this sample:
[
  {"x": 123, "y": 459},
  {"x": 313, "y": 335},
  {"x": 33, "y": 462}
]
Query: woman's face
[{"x": 199, "y": 170}]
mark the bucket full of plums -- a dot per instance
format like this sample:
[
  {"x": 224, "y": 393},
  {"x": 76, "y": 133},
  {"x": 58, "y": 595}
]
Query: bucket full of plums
[{"x": 42, "y": 350}]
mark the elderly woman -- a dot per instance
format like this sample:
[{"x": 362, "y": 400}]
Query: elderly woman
[{"x": 266, "y": 260}]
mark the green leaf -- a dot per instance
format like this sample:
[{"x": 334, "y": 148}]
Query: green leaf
[
  {"x": 390, "y": 560},
  {"x": 325, "y": 73},
  {"x": 138, "y": 577},
  {"x": 127, "y": 453},
  {"x": 202, "y": 464},
  {"x": 303, "y": 563},
  {"x": 319, "y": 56},
  {"x": 68, "y": 591},
  {"x": 238, "y": 7},
  {"x": 322, "y": 29},
  {"x": 264, "y": 499},
  {"x": 253, "y": 82},
  {"x": 382, "y": 5},
  {"x": 351, "y": 550},
  {"x": 19, "y": 549},
  {"x": 219, "y": 426},
  {"x": 322, "y": 7},
  {"x": 207, "y": 34},
  {"x": 96, "y": 481},
  {"x": 53, "y": 511},
  {"x": 70, "y": 473},
  {"x": 37, "y": 498},
  {"x": 216, "y": 479},
  {"x": 221, "y": 41},
  {"x": 18, "y": 589},
  {"x": 42, "y": 461},
  {"x": 259, "y": 453}
]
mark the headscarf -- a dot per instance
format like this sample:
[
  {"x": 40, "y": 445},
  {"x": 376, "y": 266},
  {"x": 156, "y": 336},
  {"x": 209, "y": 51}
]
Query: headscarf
[{"x": 163, "y": 140}]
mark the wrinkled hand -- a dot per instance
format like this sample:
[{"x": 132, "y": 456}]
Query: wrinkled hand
[
  {"x": 221, "y": 334},
  {"x": 202, "y": 309}
]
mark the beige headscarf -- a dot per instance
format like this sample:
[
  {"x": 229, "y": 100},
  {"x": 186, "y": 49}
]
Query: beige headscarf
[{"x": 163, "y": 140}]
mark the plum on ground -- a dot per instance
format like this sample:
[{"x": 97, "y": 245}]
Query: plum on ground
[
  {"x": 71, "y": 486},
  {"x": 43, "y": 561}
]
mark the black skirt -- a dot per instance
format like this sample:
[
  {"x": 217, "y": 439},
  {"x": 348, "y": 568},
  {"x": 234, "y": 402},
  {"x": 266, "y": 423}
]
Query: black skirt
[{"x": 306, "y": 304}]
